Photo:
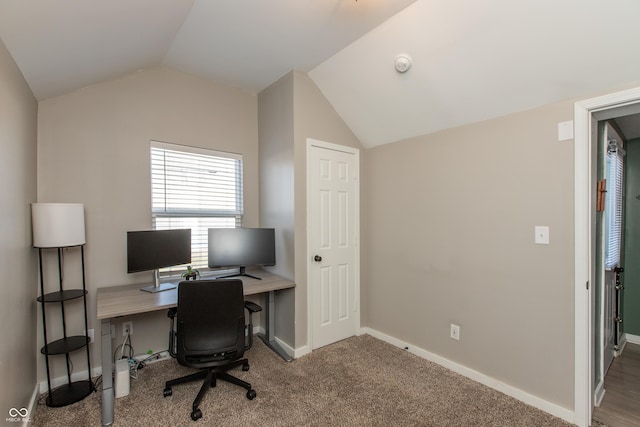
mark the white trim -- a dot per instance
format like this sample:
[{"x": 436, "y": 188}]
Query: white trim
[
  {"x": 582, "y": 242},
  {"x": 286, "y": 347},
  {"x": 516, "y": 393},
  {"x": 33, "y": 402},
  {"x": 331, "y": 146},
  {"x": 599, "y": 393},
  {"x": 583, "y": 269},
  {"x": 356, "y": 152},
  {"x": 301, "y": 351},
  {"x": 76, "y": 376},
  {"x": 631, "y": 339},
  {"x": 623, "y": 344},
  {"x": 194, "y": 150}
]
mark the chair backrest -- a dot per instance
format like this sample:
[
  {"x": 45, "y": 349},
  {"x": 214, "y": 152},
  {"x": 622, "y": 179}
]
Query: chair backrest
[{"x": 211, "y": 323}]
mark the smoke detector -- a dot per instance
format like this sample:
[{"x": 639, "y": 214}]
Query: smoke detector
[{"x": 403, "y": 63}]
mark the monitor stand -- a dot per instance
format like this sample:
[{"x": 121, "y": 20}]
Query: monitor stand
[
  {"x": 156, "y": 286},
  {"x": 242, "y": 272}
]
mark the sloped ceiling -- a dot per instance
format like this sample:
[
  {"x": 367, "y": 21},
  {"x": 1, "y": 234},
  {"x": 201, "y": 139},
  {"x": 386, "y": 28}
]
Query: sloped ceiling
[
  {"x": 475, "y": 60},
  {"x": 62, "y": 45},
  {"x": 472, "y": 60}
]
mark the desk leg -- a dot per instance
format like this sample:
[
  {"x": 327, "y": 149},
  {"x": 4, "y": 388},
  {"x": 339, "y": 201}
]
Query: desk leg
[
  {"x": 269, "y": 337},
  {"x": 107, "y": 374}
]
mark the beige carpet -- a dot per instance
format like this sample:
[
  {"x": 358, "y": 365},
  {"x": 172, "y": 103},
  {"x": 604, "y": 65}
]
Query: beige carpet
[{"x": 360, "y": 381}]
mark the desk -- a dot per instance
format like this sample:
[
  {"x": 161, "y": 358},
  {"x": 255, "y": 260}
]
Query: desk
[{"x": 117, "y": 301}]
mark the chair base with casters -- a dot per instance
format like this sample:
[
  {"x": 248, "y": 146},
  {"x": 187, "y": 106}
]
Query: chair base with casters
[
  {"x": 210, "y": 376},
  {"x": 213, "y": 366}
]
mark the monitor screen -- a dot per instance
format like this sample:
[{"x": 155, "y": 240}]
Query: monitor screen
[
  {"x": 153, "y": 249},
  {"x": 241, "y": 247}
]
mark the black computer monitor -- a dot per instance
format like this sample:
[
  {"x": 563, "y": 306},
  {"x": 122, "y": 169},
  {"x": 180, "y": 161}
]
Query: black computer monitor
[
  {"x": 241, "y": 248},
  {"x": 155, "y": 249}
]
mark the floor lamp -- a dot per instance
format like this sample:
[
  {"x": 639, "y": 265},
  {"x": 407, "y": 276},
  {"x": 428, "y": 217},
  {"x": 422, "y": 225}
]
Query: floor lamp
[{"x": 60, "y": 226}]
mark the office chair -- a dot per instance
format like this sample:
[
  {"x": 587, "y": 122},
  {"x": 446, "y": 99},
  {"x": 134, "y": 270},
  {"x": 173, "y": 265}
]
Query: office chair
[{"x": 210, "y": 334}]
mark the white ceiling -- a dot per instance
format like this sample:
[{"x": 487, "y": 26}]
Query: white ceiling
[{"x": 472, "y": 60}]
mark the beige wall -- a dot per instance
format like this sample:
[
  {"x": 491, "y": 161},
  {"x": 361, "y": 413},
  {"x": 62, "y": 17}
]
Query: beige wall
[
  {"x": 18, "y": 263},
  {"x": 292, "y": 110},
  {"x": 314, "y": 117},
  {"x": 447, "y": 219},
  {"x": 93, "y": 148},
  {"x": 275, "y": 124},
  {"x": 450, "y": 238}
]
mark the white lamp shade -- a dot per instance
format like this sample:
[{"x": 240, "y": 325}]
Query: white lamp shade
[{"x": 56, "y": 225}]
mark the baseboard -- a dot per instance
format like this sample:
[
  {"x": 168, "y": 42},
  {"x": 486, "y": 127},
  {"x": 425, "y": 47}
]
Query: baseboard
[
  {"x": 76, "y": 376},
  {"x": 632, "y": 339},
  {"x": 599, "y": 393},
  {"x": 31, "y": 408},
  {"x": 507, "y": 389},
  {"x": 287, "y": 348}
]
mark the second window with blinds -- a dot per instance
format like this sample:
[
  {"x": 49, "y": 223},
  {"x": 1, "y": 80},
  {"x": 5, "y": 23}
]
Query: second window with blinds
[{"x": 195, "y": 188}]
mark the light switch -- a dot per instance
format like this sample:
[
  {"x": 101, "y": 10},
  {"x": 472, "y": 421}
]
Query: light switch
[{"x": 542, "y": 235}]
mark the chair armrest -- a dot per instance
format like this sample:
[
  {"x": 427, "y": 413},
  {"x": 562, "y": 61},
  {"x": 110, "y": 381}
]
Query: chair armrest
[{"x": 252, "y": 307}]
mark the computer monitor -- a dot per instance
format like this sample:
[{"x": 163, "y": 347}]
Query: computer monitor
[
  {"x": 155, "y": 249},
  {"x": 241, "y": 248}
]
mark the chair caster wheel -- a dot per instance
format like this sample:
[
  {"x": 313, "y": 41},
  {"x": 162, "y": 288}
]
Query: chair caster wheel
[
  {"x": 245, "y": 367},
  {"x": 196, "y": 415},
  {"x": 251, "y": 394},
  {"x": 167, "y": 392}
]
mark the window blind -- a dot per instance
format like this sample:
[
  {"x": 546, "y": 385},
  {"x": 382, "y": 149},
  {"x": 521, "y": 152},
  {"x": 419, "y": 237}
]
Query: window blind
[
  {"x": 613, "y": 209},
  {"x": 197, "y": 189}
]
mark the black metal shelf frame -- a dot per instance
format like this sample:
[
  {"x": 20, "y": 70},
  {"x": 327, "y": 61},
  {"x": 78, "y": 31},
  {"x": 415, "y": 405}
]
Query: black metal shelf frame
[{"x": 71, "y": 391}]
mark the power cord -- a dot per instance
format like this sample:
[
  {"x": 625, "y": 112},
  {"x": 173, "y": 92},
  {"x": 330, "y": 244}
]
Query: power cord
[
  {"x": 136, "y": 365},
  {"x": 121, "y": 347}
]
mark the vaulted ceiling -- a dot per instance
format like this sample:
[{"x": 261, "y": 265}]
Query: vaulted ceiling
[{"x": 471, "y": 60}]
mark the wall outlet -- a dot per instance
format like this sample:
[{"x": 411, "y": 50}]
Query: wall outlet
[
  {"x": 455, "y": 332},
  {"x": 542, "y": 235},
  {"x": 127, "y": 327},
  {"x": 90, "y": 334}
]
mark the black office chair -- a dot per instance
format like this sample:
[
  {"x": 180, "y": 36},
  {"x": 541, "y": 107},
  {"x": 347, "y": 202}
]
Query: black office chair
[{"x": 210, "y": 334}]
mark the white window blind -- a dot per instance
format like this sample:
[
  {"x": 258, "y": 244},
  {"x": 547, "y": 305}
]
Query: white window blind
[
  {"x": 613, "y": 208},
  {"x": 197, "y": 189}
]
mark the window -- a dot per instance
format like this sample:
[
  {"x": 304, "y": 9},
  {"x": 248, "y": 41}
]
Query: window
[
  {"x": 197, "y": 189},
  {"x": 613, "y": 208}
]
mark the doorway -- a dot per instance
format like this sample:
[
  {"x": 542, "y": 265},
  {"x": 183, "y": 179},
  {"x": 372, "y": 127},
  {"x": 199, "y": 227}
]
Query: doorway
[
  {"x": 587, "y": 114},
  {"x": 611, "y": 152},
  {"x": 333, "y": 242}
]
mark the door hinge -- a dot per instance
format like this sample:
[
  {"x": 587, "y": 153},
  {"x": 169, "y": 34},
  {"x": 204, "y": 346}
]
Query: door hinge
[{"x": 587, "y": 285}]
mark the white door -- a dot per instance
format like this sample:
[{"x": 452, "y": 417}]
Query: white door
[
  {"x": 609, "y": 300},
  {"x": 333, "y": 232}
]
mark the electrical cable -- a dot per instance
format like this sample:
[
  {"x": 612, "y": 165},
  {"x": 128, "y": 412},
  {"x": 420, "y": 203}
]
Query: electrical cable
[{"x": 139, "y": 364}]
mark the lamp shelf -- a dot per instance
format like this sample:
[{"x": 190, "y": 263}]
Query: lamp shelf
[
  {"x": 65, "y": 345},
  {"x": 72, "y": 391},
  {"x": 64, "y": 295},
  {"x": 67, "y": 394}
]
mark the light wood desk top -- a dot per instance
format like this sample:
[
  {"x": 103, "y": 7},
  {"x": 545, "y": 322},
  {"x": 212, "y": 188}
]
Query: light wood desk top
[{"x": 125, "y": 300}]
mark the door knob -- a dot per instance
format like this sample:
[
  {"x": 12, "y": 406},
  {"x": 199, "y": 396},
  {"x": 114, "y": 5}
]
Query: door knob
[{"x": 317, "y": 258}]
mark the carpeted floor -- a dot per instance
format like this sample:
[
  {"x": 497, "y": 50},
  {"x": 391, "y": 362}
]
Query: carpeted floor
[{"x": 360, "y": 381}]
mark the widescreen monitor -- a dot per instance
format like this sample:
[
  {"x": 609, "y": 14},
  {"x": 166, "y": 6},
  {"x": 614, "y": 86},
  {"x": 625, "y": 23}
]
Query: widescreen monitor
[
  {"x": 156, "y": 249},
  {"x": 241, "y": 248}
]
